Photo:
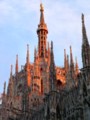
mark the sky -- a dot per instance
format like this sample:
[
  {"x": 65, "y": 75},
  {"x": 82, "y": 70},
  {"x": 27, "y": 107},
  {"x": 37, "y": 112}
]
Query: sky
[{"x": 18, "y": 24}]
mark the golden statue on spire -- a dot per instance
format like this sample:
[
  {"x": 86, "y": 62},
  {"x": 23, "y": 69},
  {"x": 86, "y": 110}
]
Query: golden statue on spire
[{"x": 41, "y": 7}]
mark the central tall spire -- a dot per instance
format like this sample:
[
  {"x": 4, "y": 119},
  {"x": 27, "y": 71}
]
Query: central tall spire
[{"x": 42, "y": 32}]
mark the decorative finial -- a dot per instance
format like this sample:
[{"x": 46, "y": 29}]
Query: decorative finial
[
  {"x": 68, "y": 62},
  {"x": 16, "y": 63},
  {"x": 65, "y": 53},
  {"x": 27, "y": 54},
  {"x": 27, "y": 46},
  {"x": 65, "y": 59},
  {"x": 82, "y": 18},
  {"x": 11, "y": 70},
  {"x": 51, "y": 45},
  {"x": 70, "y": 49},
  {"x": 4, "y": 88},
  {"x": 71, "y": 57},
  {"x": 41, "y": 7}
]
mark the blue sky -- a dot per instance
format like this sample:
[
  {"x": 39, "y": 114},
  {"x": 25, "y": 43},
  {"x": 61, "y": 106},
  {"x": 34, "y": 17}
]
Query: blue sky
[{"x": 18, "y": 24}]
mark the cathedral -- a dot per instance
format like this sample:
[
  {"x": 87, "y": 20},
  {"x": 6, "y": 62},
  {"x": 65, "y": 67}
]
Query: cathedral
[{"x": 43, "y": 91}]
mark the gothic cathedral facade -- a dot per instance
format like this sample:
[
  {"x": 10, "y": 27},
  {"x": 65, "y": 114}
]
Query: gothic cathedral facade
[{"x": 43, "y": 91}]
